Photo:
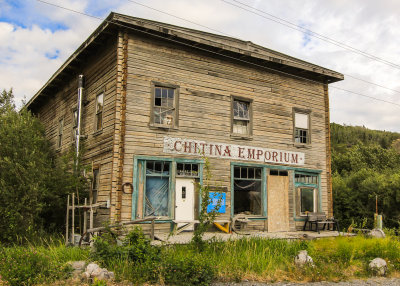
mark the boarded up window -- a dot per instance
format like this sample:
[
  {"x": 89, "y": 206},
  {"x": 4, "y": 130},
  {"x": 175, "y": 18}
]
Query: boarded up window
[
  {"x": 301, "y": 128},
  {"x": 247, "y": 190},
  {"x": 241, "y": 123},
  {"x": 99, "y": 112}
]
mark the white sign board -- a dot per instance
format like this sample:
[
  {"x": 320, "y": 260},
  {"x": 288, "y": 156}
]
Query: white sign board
[{"x": 231, "y": 151}]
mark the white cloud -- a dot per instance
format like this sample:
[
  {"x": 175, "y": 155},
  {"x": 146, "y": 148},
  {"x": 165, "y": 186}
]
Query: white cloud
[{"x": 371, "y": 26}]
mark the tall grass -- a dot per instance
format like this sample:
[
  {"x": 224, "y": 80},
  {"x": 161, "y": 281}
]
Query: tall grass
[{"x": 42, "y": 261}]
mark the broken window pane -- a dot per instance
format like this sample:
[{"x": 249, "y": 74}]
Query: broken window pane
[{"x": 163, "y": 109}]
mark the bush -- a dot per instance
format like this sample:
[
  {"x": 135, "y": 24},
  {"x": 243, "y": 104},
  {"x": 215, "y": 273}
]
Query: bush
[
  {"x": 27, "y": 266},
  {"x": 135, "y": 247},
  {"x": 194, "y": 270}
]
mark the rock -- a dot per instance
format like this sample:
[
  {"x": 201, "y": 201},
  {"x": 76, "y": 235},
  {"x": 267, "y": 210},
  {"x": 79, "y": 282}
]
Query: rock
[
  {"x": 302, "y": 259},
  {"x": 378, "y": 266},
  {"x": 94, "y": 272},
  {"x": 377, "y": 233},
  {"x": 77, "y": 267}
]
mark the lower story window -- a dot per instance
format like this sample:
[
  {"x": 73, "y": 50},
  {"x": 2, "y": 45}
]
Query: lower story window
[
  {"x": 247, "y": 190},
  {"x": 157, "y": 188},
  {"x": 307, "y": 200}
]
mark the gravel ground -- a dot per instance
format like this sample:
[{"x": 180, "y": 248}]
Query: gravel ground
[{"x": 368, "y": 282}]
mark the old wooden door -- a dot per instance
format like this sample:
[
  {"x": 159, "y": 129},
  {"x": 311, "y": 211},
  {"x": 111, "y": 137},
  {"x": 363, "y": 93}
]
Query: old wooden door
[
  {"x": 184, "y": 200},
  {"x": 278, "y": 203}
]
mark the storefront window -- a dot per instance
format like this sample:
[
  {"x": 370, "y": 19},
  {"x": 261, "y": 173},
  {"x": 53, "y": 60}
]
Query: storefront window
[
  {"x": 157, "y": 188},
  {"x": 306, "y": 193},
  {"x": 247, "y": 190}
]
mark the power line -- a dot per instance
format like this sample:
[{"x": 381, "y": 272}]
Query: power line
[
  {"x": 221, "y": 32},
  {"x": 310, "y": 32},
  {"x": 212, "y": 52}
]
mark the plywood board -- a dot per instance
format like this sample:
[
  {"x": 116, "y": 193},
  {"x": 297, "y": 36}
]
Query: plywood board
[{"x": 278, "y": 203}]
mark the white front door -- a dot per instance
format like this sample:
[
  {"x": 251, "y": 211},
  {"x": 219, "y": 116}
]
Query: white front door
[{"x": 184, "y": 200}]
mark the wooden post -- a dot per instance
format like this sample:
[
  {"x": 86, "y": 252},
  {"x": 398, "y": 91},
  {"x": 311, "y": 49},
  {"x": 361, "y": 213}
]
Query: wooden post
[
  {"x": 66, "y": 223},
  {"x": 152, "y": 230},
  {"x": 84, "y": 217},
  {"x": 91, "y": 217},
  {"x": 73, "y": 219}
]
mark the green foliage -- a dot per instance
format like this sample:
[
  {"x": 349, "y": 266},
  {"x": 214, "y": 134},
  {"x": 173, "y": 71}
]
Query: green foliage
[
  {"x": 40, "y": 263},
  {"x": 135, "y": 247},
  {"x": 33, "y": 185},
  {"x": 135, "y": 259},
  {"x": 205, "y": 218},
  {"x": 192, "y": 270},
  {"x": 6, "y": 101},
  {"x": 364, "y": 165}
]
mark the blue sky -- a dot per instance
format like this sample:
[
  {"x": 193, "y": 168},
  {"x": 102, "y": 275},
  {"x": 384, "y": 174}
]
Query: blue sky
[{"x": 36, "y": 38}]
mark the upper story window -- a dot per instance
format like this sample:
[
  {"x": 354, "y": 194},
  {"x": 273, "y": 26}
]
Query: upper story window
[
  {"x": 164, "y": 106},
  {"x": 74, "y": 123},
  {"x": 99, "y": 112},
  {"x": 60, "y": 132},
  {"x": 95, "y": 185},
  {"x": 302, "y": 127},
  {"x": 241, "y": 117}
]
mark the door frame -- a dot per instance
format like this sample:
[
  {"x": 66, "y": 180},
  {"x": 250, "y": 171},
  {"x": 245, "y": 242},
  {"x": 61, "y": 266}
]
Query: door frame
[{"x": 172, "y": 178}]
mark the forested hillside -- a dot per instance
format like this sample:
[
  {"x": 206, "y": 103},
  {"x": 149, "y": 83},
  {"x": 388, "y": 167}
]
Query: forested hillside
[{"x": 365, "y": 164}]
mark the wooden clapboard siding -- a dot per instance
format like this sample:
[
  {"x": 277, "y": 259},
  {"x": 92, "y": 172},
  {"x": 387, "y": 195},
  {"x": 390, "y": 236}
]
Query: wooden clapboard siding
[
  {"x": 206, "y": 86},
  {"x": 100, "y": 76}
]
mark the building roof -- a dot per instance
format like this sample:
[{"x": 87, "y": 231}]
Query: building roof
[{"x": 222, "y": 46}]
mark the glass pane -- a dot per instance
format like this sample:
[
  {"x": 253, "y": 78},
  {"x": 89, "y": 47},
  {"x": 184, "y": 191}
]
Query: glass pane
[
  {"x": 158, "y": 167},
  {"x": 251, "y": 173},
  {"x": 243, "y": 173},
  {"x": 188, "y": 169},
  {"x": 170, "y": 93},
  {"x": 307, "y": 200},
  {"x": 158, "y": 92},
  {"x": 165, "y": 168},
  {"x": 164, "y": 93},
  {"x": 150, "y": 166},
  {"x": 99, "y": 103},
  {"x": 156, "y": 197},
  {"x": 236, "y": 172},
  {"x": 258, "y": 173},
  {"x": 99, "y": 118},
  {"x": 75, "y": 118},
  {"x": 274, "y": 172},
  {"x": 247, "y": 197},
  {"x": 180, "y": 169},
  {"x": 95, "y": 179}
]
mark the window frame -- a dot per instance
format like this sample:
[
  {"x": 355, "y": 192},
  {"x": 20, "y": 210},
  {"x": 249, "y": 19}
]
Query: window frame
[
  {"x": 303, "y": 183},
  {"x": 315, "y": 199},
  {"x": 92, "y": 201},
  {"x": 175, "y": 120},
  {"x": 96, "y": 112},
  {"x": 308, "y": 137},
  {"x": 250, "y": 124},
  {"x": 74, "y": 126},
  {"x": 60, "y": 132},
  {"x": 261, "y": 179}
]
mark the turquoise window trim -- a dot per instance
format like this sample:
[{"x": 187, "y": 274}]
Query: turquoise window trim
[
  {"x": 263, "y": 180},
  {"x": 315, "y": 186},
  {"x": 279, "y": 167},
  {"x": 172, "y": 176},
  {"x": 264, "y": 192}
]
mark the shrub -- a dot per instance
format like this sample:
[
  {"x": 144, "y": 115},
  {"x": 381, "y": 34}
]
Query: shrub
[
  {"x": 193, "y": 270},
  {"x": 27, "y": 266}
]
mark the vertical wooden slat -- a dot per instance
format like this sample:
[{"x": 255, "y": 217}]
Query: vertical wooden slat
[{"x": 67, "y": 222}]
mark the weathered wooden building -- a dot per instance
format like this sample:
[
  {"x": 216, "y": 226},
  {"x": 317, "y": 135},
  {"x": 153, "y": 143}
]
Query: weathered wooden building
[{"x": 157, "y": 96}]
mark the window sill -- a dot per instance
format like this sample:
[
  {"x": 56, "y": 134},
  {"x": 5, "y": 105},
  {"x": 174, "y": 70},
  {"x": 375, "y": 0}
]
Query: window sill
[
  {"x": 302, "y": 145},
  {"x": 241, "y": 136},
  {"x": 98, "y": 132},
  {"x": 163, "y": 127}
]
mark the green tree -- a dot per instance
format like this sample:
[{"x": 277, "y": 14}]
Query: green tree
[{"x": 33, "y": 185}]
